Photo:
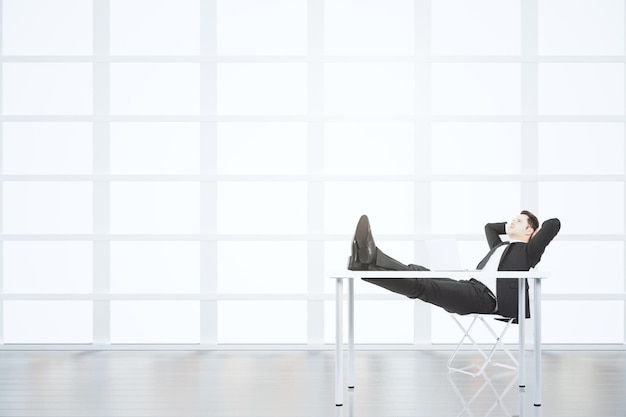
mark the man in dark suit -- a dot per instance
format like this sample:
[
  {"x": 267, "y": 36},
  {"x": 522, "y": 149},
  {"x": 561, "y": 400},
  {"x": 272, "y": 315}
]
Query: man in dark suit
[{"x": 527, "y": 242}]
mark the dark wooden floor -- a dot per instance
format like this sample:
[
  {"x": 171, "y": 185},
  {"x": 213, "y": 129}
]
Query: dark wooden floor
[{"x": 297, "y": 383}]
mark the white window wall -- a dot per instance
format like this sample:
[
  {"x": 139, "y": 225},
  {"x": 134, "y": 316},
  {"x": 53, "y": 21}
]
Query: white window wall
[{"x": 191, "y": 185}]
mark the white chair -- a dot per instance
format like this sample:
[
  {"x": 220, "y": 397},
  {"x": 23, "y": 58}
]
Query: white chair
[
  {"x": 487, "y": 356},
  {"x": 444, "y": 254}
]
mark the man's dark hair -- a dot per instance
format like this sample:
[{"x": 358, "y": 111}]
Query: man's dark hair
[{"x": 533, "y": 221}]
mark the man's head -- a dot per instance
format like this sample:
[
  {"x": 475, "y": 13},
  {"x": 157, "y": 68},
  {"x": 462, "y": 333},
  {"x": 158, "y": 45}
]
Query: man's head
[{"x": 523, "y": 226}]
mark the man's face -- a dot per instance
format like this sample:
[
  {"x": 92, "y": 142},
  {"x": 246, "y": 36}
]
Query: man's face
[{"x": 518, "y": 228}]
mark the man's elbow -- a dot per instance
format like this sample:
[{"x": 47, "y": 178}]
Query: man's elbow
[{"x": 554, "y": 223}]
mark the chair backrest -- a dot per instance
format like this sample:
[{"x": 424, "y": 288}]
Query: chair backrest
[{"x": 443, "y": 254}]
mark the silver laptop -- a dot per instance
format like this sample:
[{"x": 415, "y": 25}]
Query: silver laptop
[{"x": 443, "y": 255}]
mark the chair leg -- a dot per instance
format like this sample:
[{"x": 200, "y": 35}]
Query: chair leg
[
  {"x": 487, "y": 357},
  {"x": 498, "y": 344},
  {"x": 466, "y": 335}
]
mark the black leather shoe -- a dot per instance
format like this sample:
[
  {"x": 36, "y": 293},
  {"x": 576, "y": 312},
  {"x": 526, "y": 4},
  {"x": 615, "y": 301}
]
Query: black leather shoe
[{"x": 363, "y": 246}]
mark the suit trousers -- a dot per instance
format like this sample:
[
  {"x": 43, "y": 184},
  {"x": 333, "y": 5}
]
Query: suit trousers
[{"x": 460, "y": 297}]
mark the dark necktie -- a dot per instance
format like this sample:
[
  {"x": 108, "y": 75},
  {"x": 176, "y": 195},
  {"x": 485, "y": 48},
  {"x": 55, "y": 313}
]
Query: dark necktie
[{"x": 482, "y": 263}]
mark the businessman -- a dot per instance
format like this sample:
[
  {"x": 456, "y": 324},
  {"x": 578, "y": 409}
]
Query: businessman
[{"x": 527, "y": 242}]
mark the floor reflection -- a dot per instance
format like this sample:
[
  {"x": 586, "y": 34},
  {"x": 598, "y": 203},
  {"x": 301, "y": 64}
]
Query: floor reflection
[{"x": 490, "y": 395}]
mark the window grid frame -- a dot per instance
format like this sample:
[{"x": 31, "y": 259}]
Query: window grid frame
[
  {"x": 1, "y": 181},
  {"x": 315, "y": 119}
]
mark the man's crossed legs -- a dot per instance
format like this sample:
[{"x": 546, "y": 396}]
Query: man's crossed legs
[{"x": 461, "y": 297}]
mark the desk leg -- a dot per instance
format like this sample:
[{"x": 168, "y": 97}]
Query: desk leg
[
  {"x": 339, "y": 342},
  {"x": 351, "y": 333},
  {"x": 538, "y": 358},
  {"x": 521, "y": 320}
]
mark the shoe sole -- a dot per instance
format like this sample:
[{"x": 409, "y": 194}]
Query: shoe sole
[{"x": 360, "y": 236}]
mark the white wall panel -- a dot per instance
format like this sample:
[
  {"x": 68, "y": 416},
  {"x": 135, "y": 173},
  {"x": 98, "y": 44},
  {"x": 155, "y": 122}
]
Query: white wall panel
[
  {"x": 579, "y": 27},
  {"x": 476, "y": 88},
  {"x": 249, "y": 27},
  {"x": 155, "y": 148},
  {"x": 155, "y": 88},
  {"x": 584, "y": 207},
  {"x": 261, "y": 322},
  {"x": 261, "y": 267},
  {"x": 369, "y": 88},
  {"x": 469, "y": 28},
  {"x": 262, "y": 148},
  {"x": 261, "y": 88},
  {"x": 29, "y": 321},
  {"x": 581, "y": 148},
  {"x": 476, "y": 148},
  {"x": 389, "y": 321},
  {"x": 47, "y": 267},
  {"x": 47, "y": 88},
  {"x": 47, "y": 207},
  {"x": 583, "y": 322},
  {"x": 155, "y": 322},
  {"x": 155, "y": 267},
  {"x": 348, "y": 27},
  {"x": 455, "y": 210},
  {"x": 41, "y": 27},
  {"x": 369, "y": 148},
  {"x": 345, "y": 202},
  {"x": 261, "y": 207},
  {"x": 581, "y": 88},
  {"x": 41, "y": 148},
  {"x": 140, "y": 27}
]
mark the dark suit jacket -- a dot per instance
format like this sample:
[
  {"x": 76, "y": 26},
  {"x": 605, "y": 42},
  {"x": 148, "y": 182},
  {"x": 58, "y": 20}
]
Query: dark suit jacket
[{"x": 518, "y": 256}]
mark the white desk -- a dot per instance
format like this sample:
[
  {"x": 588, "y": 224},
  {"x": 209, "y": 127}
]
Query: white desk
[{"x": 340, "y": 276}]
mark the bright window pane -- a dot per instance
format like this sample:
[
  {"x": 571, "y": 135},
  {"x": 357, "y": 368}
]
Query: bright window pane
[
  {"x": 573, "y": 277},
  {"x": 47, "y": 88},
  {"x": 47, "y": 207},
  {"x": 262, "y": 207},
  {"x": 460, "y": 27},
  {"x": 154, "y": 27},
  {"x": 47, "y": 148},
  {"x": 155, "y": 148},
  {"x": 453, "y": 210},
  {"x": 476, "y": 148},
  {"x": 582, "y": 321},
  {"x": 476, "y": 89},
  {"x": 155, "y": 207},
  {"x": 581, "y": 27},
  {"x": 565, "y": 201},
  {"x": 47, "y": 267},
  {"x": 155, "y": 322},
  {"x": 43, "y": 27},
  {"x": 252, "y": 148},
  {"x": 369, "y": 148},
  {"x": 369, "y": 89},
  {"x": 47, "y": 321},
  {"x": 348, "y": 27},
  {"x": 146, "y": 88},
  {"x": 155, "y": 267},
  {"x": 581, "y": 88},
  {"x": 581, "y": 148},
  {"x": 287, "y": 276},
  {"x": 262, "y": 89},
  {"x": 261, "y": 322},
  {"x": 345, "y": 202},
  {"x": 250, "y": 27},
  {"x": 374, "y": 319}
]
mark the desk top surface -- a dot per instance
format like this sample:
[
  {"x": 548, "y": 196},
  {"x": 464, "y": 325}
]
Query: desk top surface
[{"x": 454, "y": 274}]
